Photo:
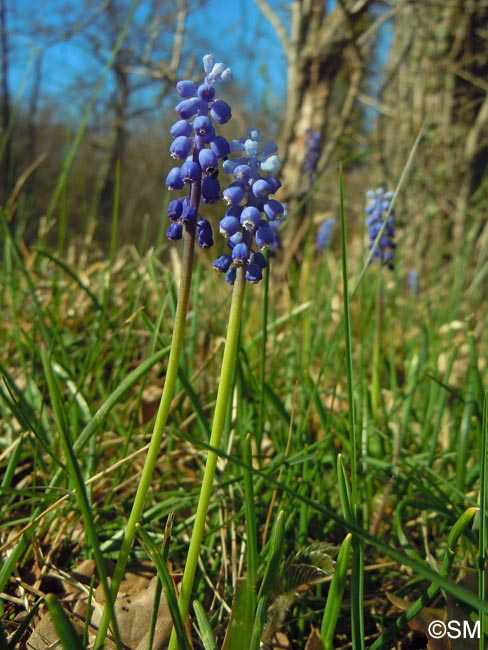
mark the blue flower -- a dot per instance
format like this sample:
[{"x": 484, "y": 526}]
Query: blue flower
[
  {"x": 222, "y": 263},
  {"x": 205, "y": 236},
  {"x": 175, "y": 230},
  {"x": 252, "y": 216},
  {"x": 199, "y": 147},
  {"x": 381, "y": 219},
  {"x": 413, "y": 280},
  {"x": 324, "y": 233},
  {"x": 312, "y": 155}
]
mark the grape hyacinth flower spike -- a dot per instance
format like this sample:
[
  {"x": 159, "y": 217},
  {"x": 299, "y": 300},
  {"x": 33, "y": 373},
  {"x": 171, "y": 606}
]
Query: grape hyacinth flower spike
[
  {"x": 246, "y": 227},
  {"x": 324, "y": 233},
  {"x": 199, "y": 147},
  {"x": 377, "y": 213},
  {"x": 312, "y": 156},
  {"x": 250, "y": 221},
  {"x": 199, "y": 150}
]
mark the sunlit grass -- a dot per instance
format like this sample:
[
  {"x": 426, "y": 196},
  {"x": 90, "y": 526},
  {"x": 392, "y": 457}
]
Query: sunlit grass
[{"x": 104, "y": 327}]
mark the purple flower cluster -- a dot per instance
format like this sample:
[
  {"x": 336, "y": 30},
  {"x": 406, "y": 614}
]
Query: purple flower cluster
[
  {"x": 377, "y": 211},
  {"x": 200, "y": 148},
  {"x": 324, "y": 233},
  {"x": 252, "y": 215},
  {"x": 312, "y": 155}
]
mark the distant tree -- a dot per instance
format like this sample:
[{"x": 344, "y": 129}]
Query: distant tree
[
  {"x": 326, "y": 52},
  {"x": 438, "y": 73},
  {"x": 141, "y": 69},
  {"x": 6, "y": 148}
]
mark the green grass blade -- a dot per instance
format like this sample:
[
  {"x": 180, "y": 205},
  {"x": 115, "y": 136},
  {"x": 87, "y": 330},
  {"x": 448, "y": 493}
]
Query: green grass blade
[
  {"x": 14, "y": 642},
  {"x": 204, "y": 627},
  {"x": 275, "y": 553},
  {"x": 336, "y": 591},
  {"x": 64, "y": 627},
  {"x": 455, "y": 533},
  {"x": 483, "y": 522},
  {"x": 78, "y": 482},
  {"x": 344, "y": 491},
  {"x": 168, "y": 587},
  {"x": 348, "y": 343},
  {"x": 251, "y": 524}
]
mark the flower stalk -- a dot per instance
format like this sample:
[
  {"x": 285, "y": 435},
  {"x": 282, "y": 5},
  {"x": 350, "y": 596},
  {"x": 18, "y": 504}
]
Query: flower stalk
[
  {"x": 160, "y": 423},
  {"x": 223, "y": 396}
]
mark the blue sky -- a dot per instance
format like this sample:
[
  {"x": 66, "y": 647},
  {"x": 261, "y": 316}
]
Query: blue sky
[
  {"x": 236, "y": 32},
  {"x": 222, "y": 27}
]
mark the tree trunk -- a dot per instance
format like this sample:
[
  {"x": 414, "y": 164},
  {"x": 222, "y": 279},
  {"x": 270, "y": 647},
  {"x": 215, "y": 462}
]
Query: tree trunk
[
  {"x": 7, "y": 171},
  {"x": 324, "y": 75},
  {"x": 437, "y": 73},
  {"x": 119, "y": 141}
]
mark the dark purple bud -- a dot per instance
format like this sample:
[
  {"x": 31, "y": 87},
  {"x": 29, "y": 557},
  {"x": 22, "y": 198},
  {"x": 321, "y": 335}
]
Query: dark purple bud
[
  {"x": 237, "y": 238},
  {"x": 250, "y": 218},
  {"x": 208, "y": 161},
  {"x": 261, "y": 188},
  {"x": 221, "y": 111},
  {"x": 222, "y": 263},
  {"x": 254, "y": 273},
  {"x": 259, "y": 259},
  {"x": 273, "y": 209},
  {"x": 230, "y": 276},
  {"x": 242, "y": 173},
  {"x": 186, "y": 88},
  {"x": 174, "y": 180},
  {"x": 210, "y": 189},
  {"x": 175, "y": 208},
  {"x": 240, "y": 254},
  {"x": 233, "y": 194},
  {"x": 220, "y": 146},
  {"x": 274, "y": 183},
  {"x": 181, "y": 127},
  {"x": 180, "y": 147},
  {"x": 204, "y": 232},
  {"x": 264, "y": 237},
  {"x": 189, "y": 214},
  {"x": 206, "y": 92},
  {"x": 234, "y": 211},
  {"x": 187, "y": 108},
  {"x": 190, "y": 171},
  {"x": 175, "y": 230},
  {"x": 229, "y": 226},
  {"x": 203, "y": 126}
]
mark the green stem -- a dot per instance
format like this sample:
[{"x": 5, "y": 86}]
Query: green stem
[
  {"x": 375, "y": 387},
  {"x": 262, "y": 368},
  {"x": 161, "y": 418},
  {"x": 223, "y": 395}
]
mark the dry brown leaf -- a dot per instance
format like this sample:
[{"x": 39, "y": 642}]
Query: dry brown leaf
[
  {"x": 314, "y": 642},
  {"x": 420, "y": 622},
  {"x": 280, "y": 642},
  {"x": 133, "y": 609},
  {"x": 457, "y": 612}
]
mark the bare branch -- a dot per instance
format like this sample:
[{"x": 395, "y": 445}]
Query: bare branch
[
  {"x": 275, "y": 21},
  {"x": 178, "y": 37},
  {"x": 474, "y": 136}
]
